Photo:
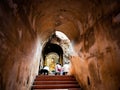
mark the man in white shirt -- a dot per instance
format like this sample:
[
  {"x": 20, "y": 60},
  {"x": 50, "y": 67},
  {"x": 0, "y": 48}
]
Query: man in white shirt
[
  {"x": 66, "y": 68},
  {"x": 46, "y": 68}
]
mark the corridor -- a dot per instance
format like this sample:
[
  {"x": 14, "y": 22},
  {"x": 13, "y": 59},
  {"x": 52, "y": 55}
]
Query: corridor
[{"x": 38, "y": 33}]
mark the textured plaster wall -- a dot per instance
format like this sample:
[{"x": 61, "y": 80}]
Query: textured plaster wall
[
  {"x": 93, "y": 26},
  {"x": 19, "y": 51},
  {"x": 96, "y": 65}
]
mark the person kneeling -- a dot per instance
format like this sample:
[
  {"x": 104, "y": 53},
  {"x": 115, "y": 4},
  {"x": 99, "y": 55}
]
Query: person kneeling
[{"x": 45, "y": 70}]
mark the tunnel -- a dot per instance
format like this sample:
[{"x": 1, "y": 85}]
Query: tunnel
[{"x": 92, "y": 26}]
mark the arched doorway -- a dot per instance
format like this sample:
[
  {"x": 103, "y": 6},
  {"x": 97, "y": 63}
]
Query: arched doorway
[
  {"x": 58, "y": 45},
  {"x": 52, "y": 54}
]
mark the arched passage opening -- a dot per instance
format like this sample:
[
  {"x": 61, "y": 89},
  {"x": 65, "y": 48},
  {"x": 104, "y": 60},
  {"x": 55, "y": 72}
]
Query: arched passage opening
[
  {"x": 57, "y": 49},
  {"x": 52, "y": 54}
]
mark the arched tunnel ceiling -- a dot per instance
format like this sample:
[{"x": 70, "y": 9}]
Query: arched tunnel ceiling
[
  {"x": 71, "y": 17},
  {"x": 57, "y": 17}
]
